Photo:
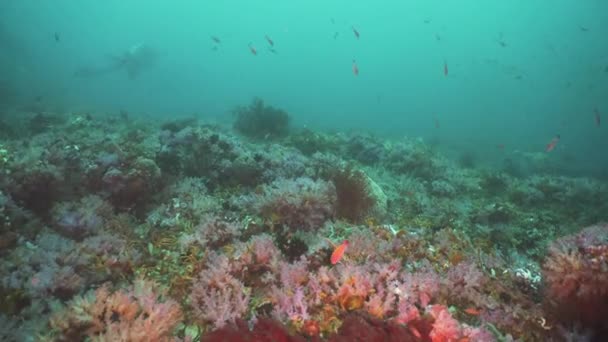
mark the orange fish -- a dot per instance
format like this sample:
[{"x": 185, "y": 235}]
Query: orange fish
[
  {"x": 551, "y": 145},
  {"x": 598, "y": 119},
  {"x": 473, "y": 311},
  {"x": 253, "y": 50},
  {"x": 445, "y": 68},
  {"x": 500, "y": 146},
  {"x": 355, "y": 32},
  {"x": 338, "y": 252},
  {"x": 355, "y": 68}
]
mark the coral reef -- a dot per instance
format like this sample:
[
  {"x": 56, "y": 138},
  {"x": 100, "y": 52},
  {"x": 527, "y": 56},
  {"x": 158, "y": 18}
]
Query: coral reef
[
  {"x": 139, "y": 313},
  {"x": 233, "y": 235}
]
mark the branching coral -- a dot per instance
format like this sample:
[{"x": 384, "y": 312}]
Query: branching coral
[
  {"x": 140, "y": 313},
  {"x": 217, "y": 296}
]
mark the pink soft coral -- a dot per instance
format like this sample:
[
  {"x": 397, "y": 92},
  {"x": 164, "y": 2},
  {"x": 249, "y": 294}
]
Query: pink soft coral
[
  {"x": 448, "y": 329},
  {"x": 290, "y": 305},
  {"x": 217, "y": 296},
  {"x": 445, "y": 327}
]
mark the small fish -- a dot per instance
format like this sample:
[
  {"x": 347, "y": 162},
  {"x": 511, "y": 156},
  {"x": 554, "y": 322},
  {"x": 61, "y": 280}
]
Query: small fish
[
  {"x": 269, "y": 40},
  {"x": 472, "y": 311},
  {"x": 436, "y": 122},
  {"x": 216, "y": 40},
  {"x": 57, "y": 37},
  {"x": 355, "y": 68},
  {"x": 551, "y": 145},
  {"x": 332, "y": 21},
  {"x": 337, "y": 33},
  {"x": 500, "y": 146},
  {"x": 338, "y": 252},
  {"x": 501, "y": 40},
  {"x": 253, "y": 50},
  {"x": 437, "y": 37},
  {"x": 598, "y": 119},
  {"x": 445, "y": 68},
  {"x": 272, "y": 50},
  {"x": 355, "y": 32},
  {"x": 583, "y": 28}
]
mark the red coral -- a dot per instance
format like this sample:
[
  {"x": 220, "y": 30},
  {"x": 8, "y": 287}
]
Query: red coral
[
  {"x": 361, "y": 328},
  {"x": 264, "y": 330}
]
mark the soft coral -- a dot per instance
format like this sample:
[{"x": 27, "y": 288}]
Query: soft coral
[
  {"x": 138, "y": 314},
  {"x": 576, "y": 277}
]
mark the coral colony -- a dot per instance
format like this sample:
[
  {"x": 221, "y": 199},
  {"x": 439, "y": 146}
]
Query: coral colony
[{"x": 113, "y": 229}]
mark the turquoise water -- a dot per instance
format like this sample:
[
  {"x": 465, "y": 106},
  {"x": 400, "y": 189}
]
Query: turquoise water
[{"x": 519, "y": 71}]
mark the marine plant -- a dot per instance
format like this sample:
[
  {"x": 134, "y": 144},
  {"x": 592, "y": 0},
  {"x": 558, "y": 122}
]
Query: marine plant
[{"x": 260, "y": 121}]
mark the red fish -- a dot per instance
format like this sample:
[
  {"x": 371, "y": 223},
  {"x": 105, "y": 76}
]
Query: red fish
[
  {"x": 445, "y": 68},
  {"x": 253, "y": 50},
  {"x": 269, "y": 40},
  {"x": 338, "y": 252},
  {"x": 472, "y": 311},
  {"x": 355, "y": 68},
  {"x": 598, "y": 119},
  {"x": 355, "y": 32},
  {"x": 551, "y": 145}
]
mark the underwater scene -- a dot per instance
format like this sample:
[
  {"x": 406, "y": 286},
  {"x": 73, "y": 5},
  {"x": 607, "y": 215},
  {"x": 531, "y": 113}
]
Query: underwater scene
[{"x": 303, "y": 170}]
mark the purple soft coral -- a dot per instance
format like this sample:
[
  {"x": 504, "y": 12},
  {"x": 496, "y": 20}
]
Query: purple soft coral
[
  {"x": 78, "y": 220},
  {"x": 217, "y": 296}
]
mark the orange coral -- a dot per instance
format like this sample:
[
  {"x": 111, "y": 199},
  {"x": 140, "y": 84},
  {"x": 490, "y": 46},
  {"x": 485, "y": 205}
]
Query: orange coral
[
  {"x": 133, "y": 315},
  {"x": 311, "y": 328}
]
